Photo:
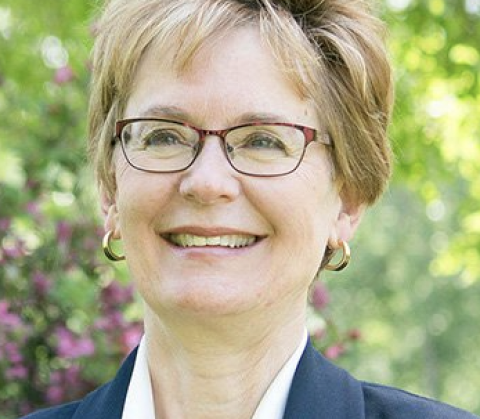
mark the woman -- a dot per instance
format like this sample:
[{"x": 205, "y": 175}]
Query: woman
[{"x": 237, "y": 144}]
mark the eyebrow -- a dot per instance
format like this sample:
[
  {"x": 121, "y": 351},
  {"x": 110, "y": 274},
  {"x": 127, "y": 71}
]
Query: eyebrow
[
  {"x": 249, "y": 117},
  {"x": 157, "y": 111},
  {"x": 160, "y": 111}
]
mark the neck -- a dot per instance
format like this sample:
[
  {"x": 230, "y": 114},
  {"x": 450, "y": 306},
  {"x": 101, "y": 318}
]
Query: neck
[{"x": 216, "y": 370}]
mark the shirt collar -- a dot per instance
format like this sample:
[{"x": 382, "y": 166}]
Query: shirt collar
[
  {"x": 139, "y": 399},
  {"x": 272, "y": 405}
]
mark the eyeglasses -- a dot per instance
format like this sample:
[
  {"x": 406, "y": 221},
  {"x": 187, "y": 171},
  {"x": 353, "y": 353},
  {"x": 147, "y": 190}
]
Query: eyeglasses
[{"x": 258, "y": 149}]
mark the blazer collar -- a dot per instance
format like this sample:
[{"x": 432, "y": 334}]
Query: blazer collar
[
  {"x": 107, "y": 401},
  {"x": 322, "y": 390},
  {"x": 319, "y": 390}
]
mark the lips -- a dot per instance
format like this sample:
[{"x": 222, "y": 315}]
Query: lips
[{"x": 231, "y": 241}]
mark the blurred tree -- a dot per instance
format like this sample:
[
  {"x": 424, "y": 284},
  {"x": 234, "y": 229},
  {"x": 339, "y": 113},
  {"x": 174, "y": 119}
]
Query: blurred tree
[
  {"x": 414, "y": 286},
  {"x": 410, "y": 299}
]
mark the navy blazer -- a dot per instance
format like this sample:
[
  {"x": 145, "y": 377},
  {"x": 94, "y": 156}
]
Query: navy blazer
[{"x": 320, "y": 390}]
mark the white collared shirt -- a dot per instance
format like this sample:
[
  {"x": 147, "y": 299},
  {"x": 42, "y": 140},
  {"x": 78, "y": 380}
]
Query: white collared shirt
[{"x": 139, "y": 400}]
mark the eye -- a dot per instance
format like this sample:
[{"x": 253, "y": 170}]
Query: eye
[
  {"x": 263, "y": 141},
  {"x": 162, "y": 138}
]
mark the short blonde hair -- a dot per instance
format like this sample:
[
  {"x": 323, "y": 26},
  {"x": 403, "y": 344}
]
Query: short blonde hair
[{"x": 332, "y": 50}]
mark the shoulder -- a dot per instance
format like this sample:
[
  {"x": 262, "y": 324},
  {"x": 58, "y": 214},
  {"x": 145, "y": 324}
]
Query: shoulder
[
  {"x": 104, "y": 402},
  {"x": 98, "y": 401},
  {"x": 93, "y": 400},
  {"x": 387, "y": 402},
  {"x": 321, "y": 389},
  {"x": 65, "y": 411}
]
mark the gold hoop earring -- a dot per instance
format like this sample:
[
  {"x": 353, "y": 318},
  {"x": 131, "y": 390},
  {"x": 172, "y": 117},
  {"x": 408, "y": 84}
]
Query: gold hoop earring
[
  {"x": 107, "y": 249},
  {"x": 342, "y": 264}
]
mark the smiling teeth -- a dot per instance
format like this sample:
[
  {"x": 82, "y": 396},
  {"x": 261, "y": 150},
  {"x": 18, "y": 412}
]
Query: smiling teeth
[{"x": 232, "y": 241}]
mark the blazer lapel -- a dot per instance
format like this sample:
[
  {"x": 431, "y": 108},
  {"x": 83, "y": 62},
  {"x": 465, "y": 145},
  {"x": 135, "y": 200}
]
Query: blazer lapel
[
  {"x": 322, "y": 390},
  {"x": 107, "y": 401},
  {"x": 319, "y": 390}
]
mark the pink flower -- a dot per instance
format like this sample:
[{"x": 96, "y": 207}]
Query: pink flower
[
  {"x": 64, "y": 232},
  {"x": 115, "y": 295},
  {"x": 8, "y": 319},
  {"x": 55, "y": 394},
  {"x": 131, "y": 337},
  {"x": 72, "y": 375},
  {"x": 32, "y": 208},
  {"x": 12, "y": 352},
  {"x": 17, "y": 372},
  {"x": 335, "y": 351},
  {"x": 14, "y": 251},
  {"x": 69, "y": 346},
  {"x": 112, "y": 320},
  {"x": 320, "y": 296},
  {"x": 41, "y": 283},
  {"x": 63, "y": 75},
  {"x": 5, "y": 224},
  {"x": 102, "y": 324}
]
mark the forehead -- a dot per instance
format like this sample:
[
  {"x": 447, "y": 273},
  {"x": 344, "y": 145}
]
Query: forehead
[{"x": 228, "y": 76}]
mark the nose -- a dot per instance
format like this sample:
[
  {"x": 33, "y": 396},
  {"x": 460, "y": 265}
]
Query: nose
[{"x": 211, "y": 179}]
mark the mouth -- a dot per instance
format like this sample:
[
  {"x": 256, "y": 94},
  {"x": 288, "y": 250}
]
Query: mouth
[{"x": 232, "y": 241}]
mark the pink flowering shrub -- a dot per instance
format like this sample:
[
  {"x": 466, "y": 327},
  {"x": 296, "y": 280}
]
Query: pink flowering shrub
[
  {"x": 63, "y": 330},
  {"x": 327, "y": 336},
  {"x": 64, "y": 310}
]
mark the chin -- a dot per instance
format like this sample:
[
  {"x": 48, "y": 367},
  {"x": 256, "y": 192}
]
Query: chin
[{"x": 201, "y": 299}]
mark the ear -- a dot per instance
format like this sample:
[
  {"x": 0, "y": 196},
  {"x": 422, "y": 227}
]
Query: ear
[
  {"x": 346, "y": 224},
  {"x": 110, "y": 213}
]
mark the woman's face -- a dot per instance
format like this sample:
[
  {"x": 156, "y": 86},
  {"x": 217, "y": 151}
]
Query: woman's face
[{"x": 290, "y": 218}]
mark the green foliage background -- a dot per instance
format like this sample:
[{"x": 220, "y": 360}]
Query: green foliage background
[{"x": 413, "y": 289}]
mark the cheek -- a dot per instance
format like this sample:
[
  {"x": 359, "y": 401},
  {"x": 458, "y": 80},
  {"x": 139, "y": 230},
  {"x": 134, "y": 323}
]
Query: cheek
[
  {"x": 301, "y": 209},
  {"x": 309, "y": 200},
  {"x": 141, "y": 199},
  {"x": 130, "y": 198},
  {"x": 308, "y": 231}
]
